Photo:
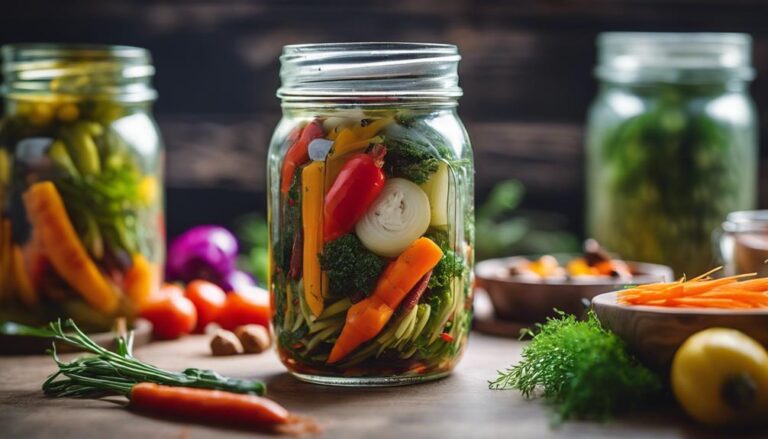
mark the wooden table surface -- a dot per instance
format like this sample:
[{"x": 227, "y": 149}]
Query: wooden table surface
[{"x": 460, "y": 406}]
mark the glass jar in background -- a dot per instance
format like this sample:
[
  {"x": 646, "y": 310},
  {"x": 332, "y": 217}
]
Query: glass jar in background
[
  {"x": 371, "y": 214},
  {"x": 671, "y": 144},
  {"x": 81, "y": 188},
  {"x": 743, "y": 243}
]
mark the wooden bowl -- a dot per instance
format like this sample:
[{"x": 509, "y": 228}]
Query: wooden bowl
[
  {"x": 655, "y": 333},
  {"x": 525, "y": 301}
]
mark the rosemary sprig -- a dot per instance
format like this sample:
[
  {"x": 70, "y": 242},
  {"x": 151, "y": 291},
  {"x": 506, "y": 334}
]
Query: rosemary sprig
[{"x": 108, "y": 372}]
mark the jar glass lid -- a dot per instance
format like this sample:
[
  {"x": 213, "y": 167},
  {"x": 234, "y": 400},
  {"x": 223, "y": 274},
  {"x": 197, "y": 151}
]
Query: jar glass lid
[
  {"x": 674, "y": 57},
  {"x": 118, "y": 72},
  {"x": 747, "y": 221}
]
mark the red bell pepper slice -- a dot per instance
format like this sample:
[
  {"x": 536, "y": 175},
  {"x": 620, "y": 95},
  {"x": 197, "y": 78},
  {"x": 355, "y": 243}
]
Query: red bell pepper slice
[
  {"x": 358, "y": 184},
  {"x": 298, "y": 153}
]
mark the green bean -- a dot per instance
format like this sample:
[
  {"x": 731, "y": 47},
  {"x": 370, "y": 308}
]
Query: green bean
[
  {"x": 321, "y": 336},
  {"x": 405, "y": 323},
  {"x": 336, "y": 308},
  {"x": 59, "y": 155},
  {"x": 84, "y": 150},
  {"x": 426, "y": 311},
  {"x": 319, "y": 325}
]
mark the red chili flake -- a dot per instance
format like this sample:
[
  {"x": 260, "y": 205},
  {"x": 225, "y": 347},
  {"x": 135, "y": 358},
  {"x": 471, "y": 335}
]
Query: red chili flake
[{"x": 448, "y": 338}]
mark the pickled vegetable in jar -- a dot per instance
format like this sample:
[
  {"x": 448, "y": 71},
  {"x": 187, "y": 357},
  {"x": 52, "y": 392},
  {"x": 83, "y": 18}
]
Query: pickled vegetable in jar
[
  {"x": 81, "y": 189},
  {"x": 672, "y": 145},
  {"x": 371, "y": 214}
]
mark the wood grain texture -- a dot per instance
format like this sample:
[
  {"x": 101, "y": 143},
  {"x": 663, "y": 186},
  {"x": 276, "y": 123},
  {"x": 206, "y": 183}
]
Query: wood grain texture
[
  {"x": 460, "y": 406},
  {"x": 655, "y": 333}
]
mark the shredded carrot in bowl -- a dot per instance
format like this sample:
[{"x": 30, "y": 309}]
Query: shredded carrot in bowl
[{"x": 702, "y": 292}]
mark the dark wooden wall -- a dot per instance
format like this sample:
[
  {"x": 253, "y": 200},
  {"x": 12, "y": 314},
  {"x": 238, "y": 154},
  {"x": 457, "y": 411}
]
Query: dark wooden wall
[{"x": 526, "y": 74}]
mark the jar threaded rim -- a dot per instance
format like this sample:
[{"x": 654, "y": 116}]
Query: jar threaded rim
[{"x": 344, "y": 71}]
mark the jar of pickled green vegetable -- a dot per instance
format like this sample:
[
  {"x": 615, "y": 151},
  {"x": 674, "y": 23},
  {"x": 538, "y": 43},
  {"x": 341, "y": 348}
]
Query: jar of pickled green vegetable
[
  {"x": 81, "y": 199},
  {"x": 371, "y": 214},
  {"x": 672, "y": 144}
]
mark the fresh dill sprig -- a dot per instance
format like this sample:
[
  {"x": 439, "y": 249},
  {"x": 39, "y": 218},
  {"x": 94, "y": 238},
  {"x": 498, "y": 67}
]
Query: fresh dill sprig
[{"x": 581, "y": 369}]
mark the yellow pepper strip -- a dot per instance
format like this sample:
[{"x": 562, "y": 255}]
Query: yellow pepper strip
[
  {"x": 23, "y": 283},
  {"x": 373, "y": 128},
  {"x": 346, "y": 136},
  {"x": 312, "y": 182},
  {"x": 332, "y": 134}
]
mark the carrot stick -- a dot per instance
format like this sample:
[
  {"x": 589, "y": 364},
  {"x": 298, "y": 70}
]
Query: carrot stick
[
  {"x": 46, "y": 213},
  {"x": 760, "y": 284},
  {"x": 208, "y": 405},
  {"x": 141, "y": 281},
  {"x": 22, "y": 281},
  {"x": 743, "y": 296},
  {"x": 702, "y": 276},
  {"x": 709, "y": 302},
  {"x": 702, "y": 292},
  {"x": 368, "y": 317}
]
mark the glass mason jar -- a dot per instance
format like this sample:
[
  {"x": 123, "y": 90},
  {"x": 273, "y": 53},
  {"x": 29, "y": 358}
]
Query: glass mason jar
[
  {"x": 672, "y": 144},
  {"x": 81, "y": 199},
  {"x": 742, "y": 243},
  {"x": 371, "y": 214}
]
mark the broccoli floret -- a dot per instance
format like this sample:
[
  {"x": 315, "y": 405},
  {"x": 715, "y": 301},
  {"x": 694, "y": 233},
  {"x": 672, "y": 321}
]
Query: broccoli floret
[
  {"x": 450, "y": 266},
  {"x": 351, "y": 268},
  {"x": 409, "y": 154}
]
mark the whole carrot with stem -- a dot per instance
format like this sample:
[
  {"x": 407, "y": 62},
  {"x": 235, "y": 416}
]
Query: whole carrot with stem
[
  {"x": 214, "y": 406},
  {"x": 194, "y": 394}
]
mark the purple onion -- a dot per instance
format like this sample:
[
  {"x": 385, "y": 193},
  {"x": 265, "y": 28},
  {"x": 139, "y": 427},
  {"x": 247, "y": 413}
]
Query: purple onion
[
  {"x": 236, "y": 280},
  {"x": 202, "y": 252}
]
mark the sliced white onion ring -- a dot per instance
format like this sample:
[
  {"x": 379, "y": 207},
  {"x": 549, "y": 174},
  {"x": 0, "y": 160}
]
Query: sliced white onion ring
[{"x": 397, "y": 218}]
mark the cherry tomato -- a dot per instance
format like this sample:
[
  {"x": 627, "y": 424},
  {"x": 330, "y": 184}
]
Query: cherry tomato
[
  {"x": 245, "y": 307},
  {"x": 172, "y": 315},
  {"x": 208, "y": 299}
]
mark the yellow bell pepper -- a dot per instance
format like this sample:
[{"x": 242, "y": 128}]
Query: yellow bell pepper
[
  {"x": 313, "y": 191},
  {"x": 720, "y": 376},
  {"x": 373, "y": 128}
]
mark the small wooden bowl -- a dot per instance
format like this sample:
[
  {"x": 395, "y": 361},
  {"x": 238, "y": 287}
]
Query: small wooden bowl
[
  {"x": 529, "y": 301},
  {"x": 655, "y": 333}
]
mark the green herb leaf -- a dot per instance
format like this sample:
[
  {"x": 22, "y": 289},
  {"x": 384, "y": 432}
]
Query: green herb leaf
[{"x": 583, "y": 370}]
